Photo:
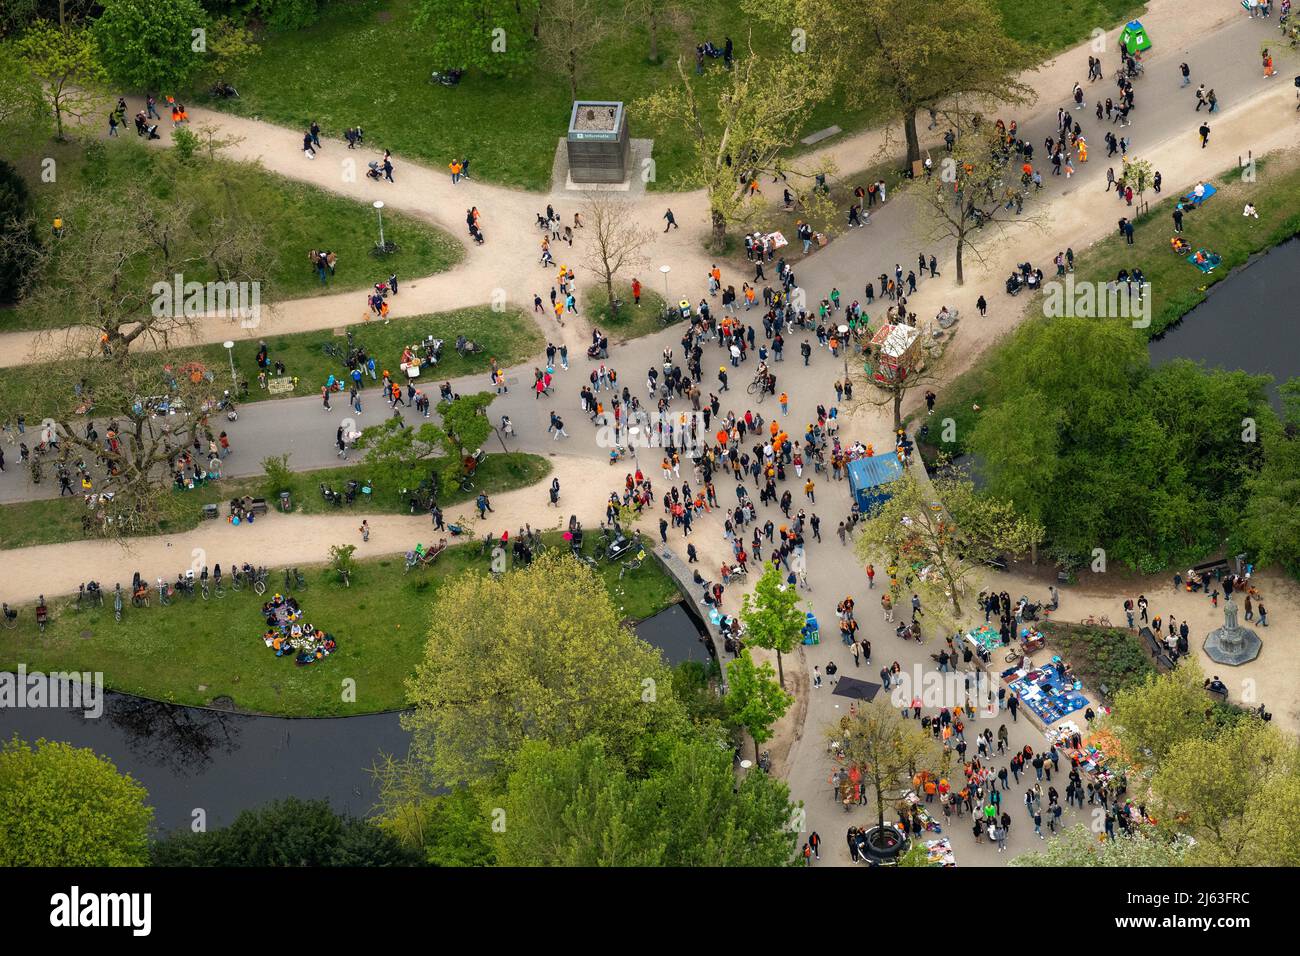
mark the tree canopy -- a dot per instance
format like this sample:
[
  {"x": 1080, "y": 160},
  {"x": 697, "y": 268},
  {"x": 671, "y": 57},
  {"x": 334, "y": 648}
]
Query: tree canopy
[
  {"x": 538, "y": 654},
  {"x": 67, "y": 806},
  {"x": 289, "y": 832},
  {"x": 152, "y": 45},
  {"x": 1119, "y": 460},
  {"x": 579, "y": 806}
]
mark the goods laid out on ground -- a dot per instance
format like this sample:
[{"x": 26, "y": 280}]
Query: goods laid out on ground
[{"x": 1049, "y": 692}]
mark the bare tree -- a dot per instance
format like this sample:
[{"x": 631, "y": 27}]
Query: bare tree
[
  {"x": 570, "y": 30},
  {"x": 616, "y": 242},
  {"x": 976, "y": 191}
]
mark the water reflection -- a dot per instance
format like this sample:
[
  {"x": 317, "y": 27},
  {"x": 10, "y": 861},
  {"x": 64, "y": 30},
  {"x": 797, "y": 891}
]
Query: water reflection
[{"x": 1247, "y": 322}]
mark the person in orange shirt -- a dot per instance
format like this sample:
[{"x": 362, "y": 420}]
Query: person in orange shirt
[
  {"x": 785, "y": 403},
  {"x": 455, "y": 168}
]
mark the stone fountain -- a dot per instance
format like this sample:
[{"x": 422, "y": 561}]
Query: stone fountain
[{"x": 1232, "y": 644}]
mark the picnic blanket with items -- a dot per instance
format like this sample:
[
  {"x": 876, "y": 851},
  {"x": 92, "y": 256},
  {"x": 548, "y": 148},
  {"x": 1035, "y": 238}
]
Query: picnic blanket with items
[
  {"x": 1047, "y": 692},
  {"x": 289, "y": 633},
  {"x": 939, "y": 852},
  {"x": 986, "y": 638}
]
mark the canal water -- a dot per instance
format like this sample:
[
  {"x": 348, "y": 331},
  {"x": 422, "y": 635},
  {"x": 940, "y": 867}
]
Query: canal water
[
  {"x": 190, "y": 758},
  {"x": 1249, "y": 321}
]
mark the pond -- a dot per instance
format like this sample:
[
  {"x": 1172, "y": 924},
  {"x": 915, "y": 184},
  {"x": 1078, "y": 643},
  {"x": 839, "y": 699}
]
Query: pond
[
  {"x": 1247, "y": 322},
  {"x": 191, "y": 758}
]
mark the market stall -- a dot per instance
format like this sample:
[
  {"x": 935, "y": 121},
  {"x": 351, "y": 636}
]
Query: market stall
[
  {"x": 1049, "y": 692},
  {"x": 939, "y": 852},
  {"x": 895, "y": 352}
]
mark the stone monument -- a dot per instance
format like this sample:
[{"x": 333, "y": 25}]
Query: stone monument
[{"x": 1232, "y": 644}]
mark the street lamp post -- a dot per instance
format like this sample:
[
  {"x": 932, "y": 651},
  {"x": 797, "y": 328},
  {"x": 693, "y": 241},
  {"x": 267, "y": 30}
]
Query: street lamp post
[
  {"x": 379, "y": 211},
  {"x": 230, "y": 354},
  {"x": 667, "y": 299}
]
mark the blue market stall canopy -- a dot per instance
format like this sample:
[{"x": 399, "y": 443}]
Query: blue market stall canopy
[
  {"x": 1134, "y": 38},
  {"x": 869, "y": 479}
]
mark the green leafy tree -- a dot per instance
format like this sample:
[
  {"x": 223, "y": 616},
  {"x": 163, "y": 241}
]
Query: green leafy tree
[
  {"x": 1152, "y": 718},
  {"x": 886, "y": 748},
  {"x": 755, "y": 700},
  {"x": 938, "y": 533},
  {"x": 1270, "y": 522},
  {"x": 230, "y": 46},
  {"x": 466, "y": 427},
  {"x": 904, "y": 56},
  {"x": 1072, "y": 443},
  {"x": 66, "y": 806},
  {"x": 153, "y": 44},
  {"x": 21, "y": 95},
  {"x": 1237, "y": 794},
  {"x": 758, "y": 114},
  {"x": 66, "y": 67},
  {"x": 287, "y": 15},
  {"x": 1079, "y": 846},
  {"x": 579, "y": 806},
  {"x": 772, "y": 617},
  {"x": 19, "y": 241},
  {"x": 289, "y": 832},
  {"x": 464, "y": 33},
  {"x": 452, "y": 828},
  {"x": 538, "y": 654}
]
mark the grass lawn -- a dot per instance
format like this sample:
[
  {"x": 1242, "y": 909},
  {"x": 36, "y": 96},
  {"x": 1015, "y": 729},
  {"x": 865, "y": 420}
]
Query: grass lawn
[
  {"x": 54, "y": 520},
  {"x": 630, "y": 322},
  {"x": 1176, "y": 286},
  {"x": 508, "y": 336},
  {"x": 193, "y": 655},
  {"x": 1218, "y": 226},
  {"x": 357, "y": 66},
  {"x": 296, "y": 218}
]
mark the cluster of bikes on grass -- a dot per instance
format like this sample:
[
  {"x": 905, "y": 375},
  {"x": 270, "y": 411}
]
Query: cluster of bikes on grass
[
  {"x": 187, "y": 586},
  {"x": 612, "y": 547}
]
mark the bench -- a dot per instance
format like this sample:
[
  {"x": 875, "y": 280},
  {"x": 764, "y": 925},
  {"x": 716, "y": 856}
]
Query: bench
[
  {"x": 1159, "y": 655},
  {"x": 1219, "y": 695},
  {"x": 256, "y": 507},
  {"x": 997, "y": 563}
]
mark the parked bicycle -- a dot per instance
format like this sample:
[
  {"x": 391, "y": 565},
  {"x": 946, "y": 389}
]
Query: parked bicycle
[
  {"x": 42, "y": 614},
  {"x": 117, "y": 602},
  {"x": 10, "y": 617},
  {"x": 164, "y": 593}
]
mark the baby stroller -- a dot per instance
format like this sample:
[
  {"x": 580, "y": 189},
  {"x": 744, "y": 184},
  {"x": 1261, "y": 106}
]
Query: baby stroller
[{"x": 374, "y": 172}]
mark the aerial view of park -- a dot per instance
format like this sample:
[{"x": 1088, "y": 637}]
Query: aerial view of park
[{"x": 417, "y": 448}]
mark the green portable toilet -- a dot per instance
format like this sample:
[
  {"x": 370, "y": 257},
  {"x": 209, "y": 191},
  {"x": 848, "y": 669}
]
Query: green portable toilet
[{"x": 1134, "y": 39}]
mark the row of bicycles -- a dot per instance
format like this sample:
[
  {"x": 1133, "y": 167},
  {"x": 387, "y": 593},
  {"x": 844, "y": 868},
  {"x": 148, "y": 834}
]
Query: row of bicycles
[{"x": 187, "y": 586}]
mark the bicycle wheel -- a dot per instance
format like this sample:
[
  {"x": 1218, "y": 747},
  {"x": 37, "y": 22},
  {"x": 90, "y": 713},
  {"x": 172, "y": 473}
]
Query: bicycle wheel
[
  {"x": 219, "y": 591},
  {"x": 204, "y": 592},
  {"x": 259, "y": 587},
  {"x": 753, "y": 387},
  {"x": 234, "y": 583}
]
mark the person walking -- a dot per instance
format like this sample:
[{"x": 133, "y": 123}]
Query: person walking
[
  {"x": 982, "y": 305},
  {"x": 1204, "y": 133},
  {"x": 671, "y": 220},
  {"x": 365, "y": 530},
  {"x": 1186, "y": 71}
]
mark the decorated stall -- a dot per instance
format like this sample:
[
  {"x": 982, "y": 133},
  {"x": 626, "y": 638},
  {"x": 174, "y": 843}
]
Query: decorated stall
[{"x": 896, "y": 352}]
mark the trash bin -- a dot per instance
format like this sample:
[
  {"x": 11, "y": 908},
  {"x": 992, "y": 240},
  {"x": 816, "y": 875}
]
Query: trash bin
[{"x": 286, "y": 502}]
